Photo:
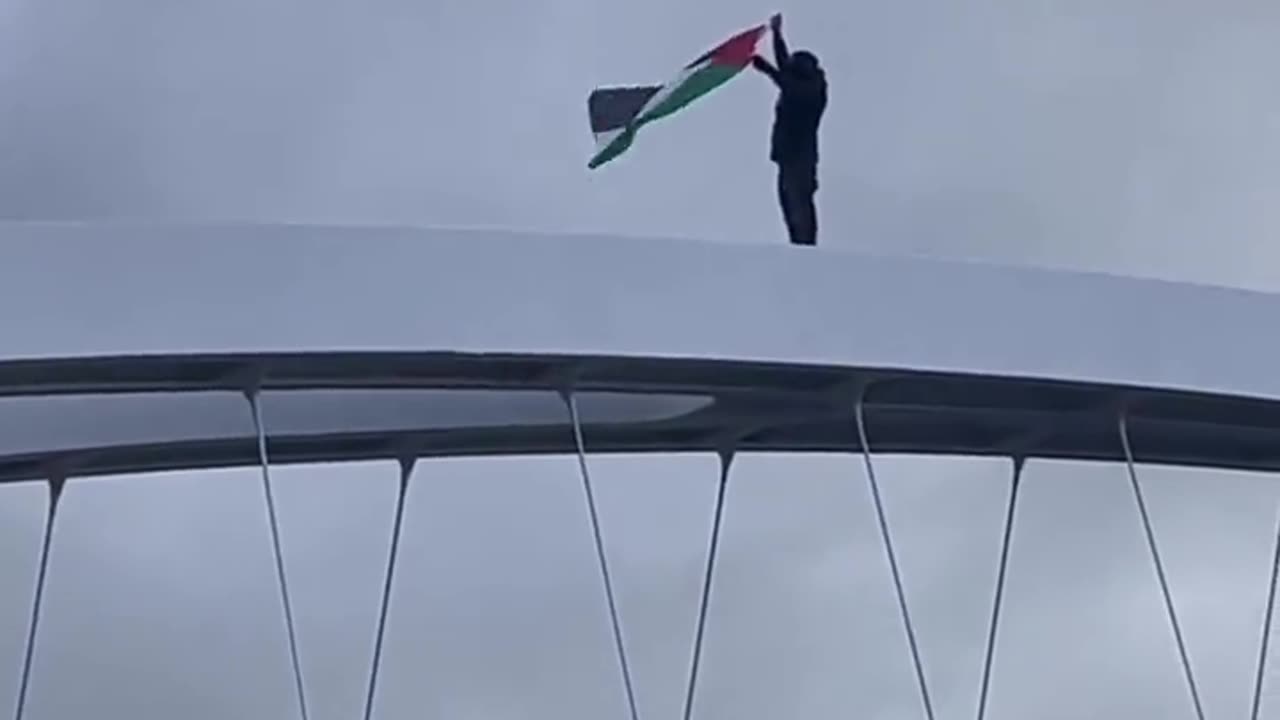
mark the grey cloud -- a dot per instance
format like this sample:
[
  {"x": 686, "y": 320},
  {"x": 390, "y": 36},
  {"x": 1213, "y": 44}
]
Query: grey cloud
[{"x": 1126, "y": 136}]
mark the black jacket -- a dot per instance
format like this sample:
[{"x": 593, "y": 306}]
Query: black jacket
[{"x": 802, "y": 99}]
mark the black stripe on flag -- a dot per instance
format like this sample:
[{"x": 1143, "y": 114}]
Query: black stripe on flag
[{"x": 612, "y": 108}]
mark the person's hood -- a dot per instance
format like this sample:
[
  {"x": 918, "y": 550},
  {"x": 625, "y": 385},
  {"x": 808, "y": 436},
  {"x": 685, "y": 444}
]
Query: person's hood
[
  {"x": 804, "y": 67},
  {"x": 809, "y": 77}
]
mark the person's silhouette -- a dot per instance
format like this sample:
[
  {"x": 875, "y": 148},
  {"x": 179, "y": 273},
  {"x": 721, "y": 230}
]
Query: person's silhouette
[{"x": 802, "y": 99}]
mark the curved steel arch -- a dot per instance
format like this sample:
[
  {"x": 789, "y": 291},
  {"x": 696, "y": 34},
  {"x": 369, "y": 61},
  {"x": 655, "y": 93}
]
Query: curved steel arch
[
  {"x": 956, "y": 357},
  {"x": 71, "y": 290},
  {"x": 354, "y": 407},
  {"x": 112, "y": 332}
]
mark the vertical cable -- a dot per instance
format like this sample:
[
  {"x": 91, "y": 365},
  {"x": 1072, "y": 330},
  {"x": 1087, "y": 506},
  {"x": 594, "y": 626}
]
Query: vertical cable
[
  {"x": 1160, "y": 574},
  {"x": 887, "y": 540},
  {"x": 28, "y": 659},
  {"x": 406, "y": 469},
  {"x": 1001, "y": 570},
  {"x": 1265, "y": 641},
  {"x": 600, "y": 555},
  {"x": 704, "y": 603},
  {"x": 256, "y": 405}
]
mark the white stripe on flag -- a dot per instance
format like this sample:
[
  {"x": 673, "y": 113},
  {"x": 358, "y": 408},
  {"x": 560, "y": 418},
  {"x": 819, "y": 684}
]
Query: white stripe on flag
[{"x": 667, "y": 90}]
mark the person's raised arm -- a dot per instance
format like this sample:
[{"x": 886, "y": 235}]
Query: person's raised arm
[
  {"x": 780, "y": 53},
  {"x": 764, "y": 67}
]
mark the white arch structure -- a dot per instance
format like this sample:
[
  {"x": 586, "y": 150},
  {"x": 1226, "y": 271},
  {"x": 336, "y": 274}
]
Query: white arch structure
[{"x": 129, "y": 348}]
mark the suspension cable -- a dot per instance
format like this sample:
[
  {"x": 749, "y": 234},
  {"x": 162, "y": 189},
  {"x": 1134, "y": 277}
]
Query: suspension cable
[
  {"x": 256, "y": 405},
  {"x": 704, "y": 603},
  {"x": 1001, "y": 570},
  {"x": 28, "y": 659},
  {"x": 1159, "y": 565},
  {"x": 594, "y": 514},
  {"x": 1265, "y": 641},
  {"x": 887, "y": 540},
  {"x": 406, "y": 470}
]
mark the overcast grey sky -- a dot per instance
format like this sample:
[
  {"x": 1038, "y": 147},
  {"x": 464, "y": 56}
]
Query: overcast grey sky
[
  {"x": 162, "y": 600},
  {"x": 1126, "y": 135}
]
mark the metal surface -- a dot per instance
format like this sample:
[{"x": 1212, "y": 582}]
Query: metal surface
[
  {"x": 761, "y": 407},
  {"x": 84, "y": 290}
]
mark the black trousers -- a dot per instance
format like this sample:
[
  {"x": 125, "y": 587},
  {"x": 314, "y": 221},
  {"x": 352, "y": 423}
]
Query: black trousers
[{"x": 797, "y": 185}]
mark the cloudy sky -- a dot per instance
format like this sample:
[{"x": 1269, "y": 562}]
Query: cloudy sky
[
  {"x": 1122, "y": 135},
  {"x": 1126, "y": 135}
]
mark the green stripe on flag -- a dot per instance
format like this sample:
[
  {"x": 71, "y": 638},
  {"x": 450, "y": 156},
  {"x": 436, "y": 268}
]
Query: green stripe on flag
[
  {"x": 614, "y": 148},
  {"x": 701, "y": 82},
  {"x": 712, "y": 70}
]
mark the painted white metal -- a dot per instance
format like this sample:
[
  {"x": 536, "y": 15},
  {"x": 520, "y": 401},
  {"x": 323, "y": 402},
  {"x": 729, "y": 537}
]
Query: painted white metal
[{"x": 86, "y": 290}]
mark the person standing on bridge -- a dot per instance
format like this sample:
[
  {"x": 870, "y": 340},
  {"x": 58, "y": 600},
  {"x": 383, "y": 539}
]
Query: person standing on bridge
[{"x": 802, "y": 99}]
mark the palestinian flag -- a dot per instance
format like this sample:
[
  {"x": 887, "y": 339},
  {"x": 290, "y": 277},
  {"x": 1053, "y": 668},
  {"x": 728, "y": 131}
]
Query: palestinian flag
[{"x": 617, "y": 113}]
